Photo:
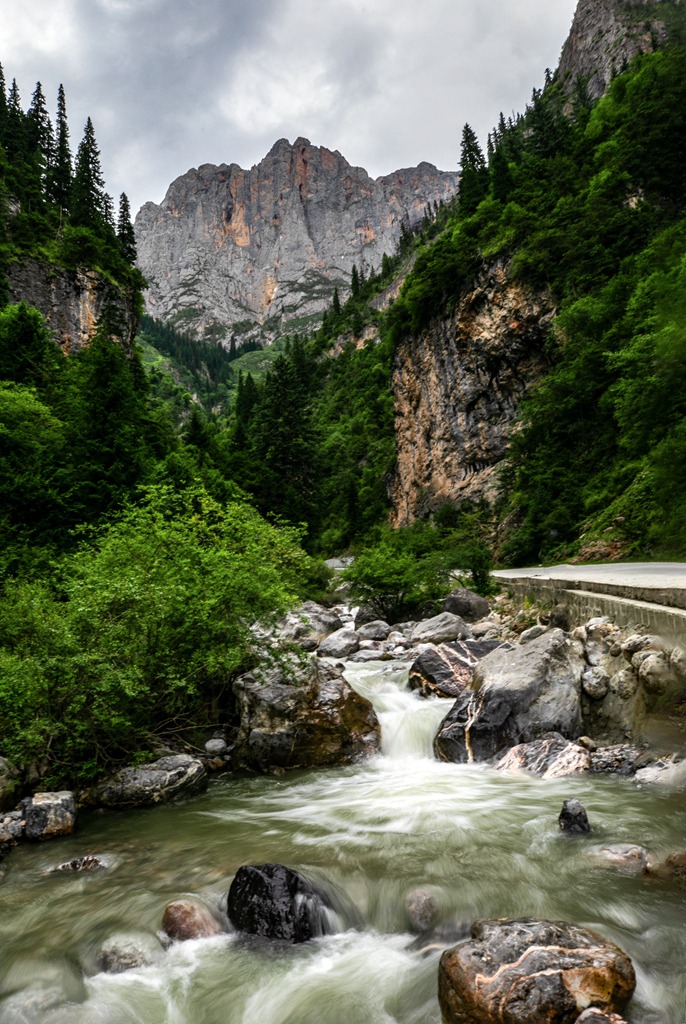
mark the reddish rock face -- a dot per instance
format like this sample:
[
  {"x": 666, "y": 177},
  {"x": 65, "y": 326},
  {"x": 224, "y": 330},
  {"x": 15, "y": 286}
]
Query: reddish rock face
[
  {"x": 458, "y": 387},
  {"x": 229, "y": 246},
  {"x": 532, "y": 972}
]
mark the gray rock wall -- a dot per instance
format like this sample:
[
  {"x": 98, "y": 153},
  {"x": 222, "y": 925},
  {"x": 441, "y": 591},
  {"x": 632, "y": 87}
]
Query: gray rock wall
[{"x": 231, "y": 249}]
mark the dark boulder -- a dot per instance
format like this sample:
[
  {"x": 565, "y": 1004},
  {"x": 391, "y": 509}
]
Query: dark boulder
[
  {"x": 306, "y": 717},
  {"x": 532, "y": 972},
  {"x": 89, "y": 862},
  {"x": 469, "y": 606},
  {"x": 278, "y": 903},
  {"x": 169, "y": 778},
  {"x": 573, "y": 818},
  {"x": 518, "y": 694}
]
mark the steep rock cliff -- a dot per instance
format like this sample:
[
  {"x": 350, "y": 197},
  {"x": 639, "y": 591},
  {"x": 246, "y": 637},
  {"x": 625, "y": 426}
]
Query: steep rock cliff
[
  {"x": 72, "y": 301},
  {"x": 457, "y": 389},
  {"x": 604, "y": 35},
  {"x": 229, "y": 249}
]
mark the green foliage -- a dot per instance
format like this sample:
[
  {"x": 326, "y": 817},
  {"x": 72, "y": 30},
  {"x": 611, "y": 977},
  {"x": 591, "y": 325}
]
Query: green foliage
[{"x": 149, "y": 624}]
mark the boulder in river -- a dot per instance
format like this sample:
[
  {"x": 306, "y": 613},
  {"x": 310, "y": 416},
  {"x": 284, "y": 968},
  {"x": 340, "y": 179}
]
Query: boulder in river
[
  {"x": 532, "y": 972},
  {"x": 440, "y": 629},
  {"x": 169, "y": 778},
  {"x": 128, "y": 952},
  {"x": 303, "y": 716},
  {"x": 519, "y": 694},
  {"x": 552, "y": 756},
  {"x": 627, "y": 858},
  {"x": 276, "y": 902},
  {"x": 49, "y": 815},
  {"x": 573, "y": 818},
  {"x": 189, "y": 918},
  {"x": 446, "y": 670},
  {"x": 376, "y": 630}
]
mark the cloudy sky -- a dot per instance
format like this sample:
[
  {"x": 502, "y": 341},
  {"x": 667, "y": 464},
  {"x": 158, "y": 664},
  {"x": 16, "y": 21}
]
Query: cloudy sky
[{"x": 171, "y": 84}]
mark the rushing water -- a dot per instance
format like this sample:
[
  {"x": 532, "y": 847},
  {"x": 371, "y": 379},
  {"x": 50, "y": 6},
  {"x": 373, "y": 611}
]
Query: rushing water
[{"x": 482, "y": 844}]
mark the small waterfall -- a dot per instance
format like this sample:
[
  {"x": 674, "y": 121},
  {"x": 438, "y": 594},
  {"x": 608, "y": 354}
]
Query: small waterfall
[{"x": 408, "y": 722}]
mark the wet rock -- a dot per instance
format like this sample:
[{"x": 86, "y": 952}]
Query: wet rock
[
  {"x": 191, "y": 919},
  {"x": 440, "y": 629},
  {"x": 11, "y": 830},
  {"x": 532, "y": 972},
  {"x": 668, "y": 772},
  {"x": 376, "y": 630},
  {"x": 672, "y": 867},
  {"x": 49, "y": 815},
  {"x": 276, "y": 902},
  {"x": 169, "y": 778},
  {"x": 552, "y": 756},
  {"x": 619, "y": 759},
  {"x": 308, "y": 625},
  {"x": 127, "y": 952},
  {"x": 627, "y": 858},
  {"x": 521, "y": 694},
  {"x": 375, "y": 654},
  {"x": 9, "y": 784},
  {"x": 89, "y": 862},
  {"x": 532, "y": 633},
  {"x": 595, "y": 683},
  {"x": 421, "y": 910},
  {"x": 573, "y": 818},
  {"x": 340, "y": 644},
  {"x": 306, "y": 716},
  {"x": 442, "y": 671},
  {"x": 469, "y": 606}
]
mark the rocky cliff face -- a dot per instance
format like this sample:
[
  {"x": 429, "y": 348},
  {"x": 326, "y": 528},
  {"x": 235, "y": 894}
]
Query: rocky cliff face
[
  {"x": 72, "y": 301},
  {"x": 229, "y": 249},
  {"x": 457, "y": 390},
  {"x": 605, "y": 34}
]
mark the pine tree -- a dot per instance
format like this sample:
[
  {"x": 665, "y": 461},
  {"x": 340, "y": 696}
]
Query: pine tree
[
  {"x": 40, "y": 134},
  {"x": 502, "y": 181},
  {"x": 336, "y": 304},
  {"x": 474, "y": 173},
  {"x": 60, "y": 180},
  {"x": 15, "y": 131},
  {"x": 355, "y": 282},
  {"x": 125, "y": 232},
  {"x": 89, "y": 203},
  {"x": 3, "y": 104}
]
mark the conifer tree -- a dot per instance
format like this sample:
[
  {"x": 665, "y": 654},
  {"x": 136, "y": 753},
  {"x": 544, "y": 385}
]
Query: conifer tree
[
  {"x": 14, "y": 136},
  {"x": 3, "y": 104},
  {"x": 474, "y": 174},
  {"x": 355, "y": 282},
  {"x": 336, "y": 304},
  {"x": 89, "y": 203},
  {"x": 40, "y": 134},
  {"x": 60, "y": 180}
]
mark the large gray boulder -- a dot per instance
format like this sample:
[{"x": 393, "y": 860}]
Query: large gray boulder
[
  {"x": 169, "y": 778},
  {"x": 518, "y": 695},
  {"x": 469, "y": 606},
  {"x": 446, "y": 670},
  {"x": 301, "y": 717},
  {"x": 340, "y": 644},
  {"x": 440, "y": 629},
  {"x": 532, "y": 972}
]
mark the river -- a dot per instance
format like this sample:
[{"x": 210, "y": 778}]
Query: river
[{"x": 483, "y": 844}]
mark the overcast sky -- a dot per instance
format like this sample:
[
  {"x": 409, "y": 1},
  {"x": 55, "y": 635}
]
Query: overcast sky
[{"x": 172, "y": 84}]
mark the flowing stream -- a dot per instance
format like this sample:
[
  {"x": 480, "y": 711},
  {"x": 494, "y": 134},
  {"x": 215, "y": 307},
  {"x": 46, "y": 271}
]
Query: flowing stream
[{"x": 481, "y": 843}]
